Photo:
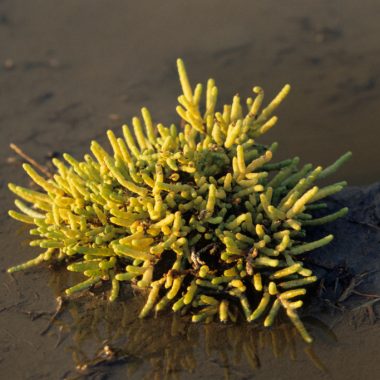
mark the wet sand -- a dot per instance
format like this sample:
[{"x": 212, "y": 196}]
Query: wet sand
[{"x": 70, "y": 70}]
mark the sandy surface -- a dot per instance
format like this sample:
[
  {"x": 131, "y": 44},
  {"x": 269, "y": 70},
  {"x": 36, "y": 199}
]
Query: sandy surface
[
  {"x": 71, "y": 69},
  {"x": 77, "y": 62}
]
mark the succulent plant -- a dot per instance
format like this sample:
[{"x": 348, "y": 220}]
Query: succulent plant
[{"x": 197, "y": 215}]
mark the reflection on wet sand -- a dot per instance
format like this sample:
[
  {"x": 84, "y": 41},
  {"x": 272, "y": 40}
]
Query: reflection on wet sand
[{"x": 108, "y": 339}]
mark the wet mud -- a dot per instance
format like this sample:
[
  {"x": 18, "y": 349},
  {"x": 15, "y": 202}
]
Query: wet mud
[{"x": 70, "y": 70}]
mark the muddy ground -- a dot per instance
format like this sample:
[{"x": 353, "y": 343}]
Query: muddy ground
[{"x": 71, "y": 69}]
